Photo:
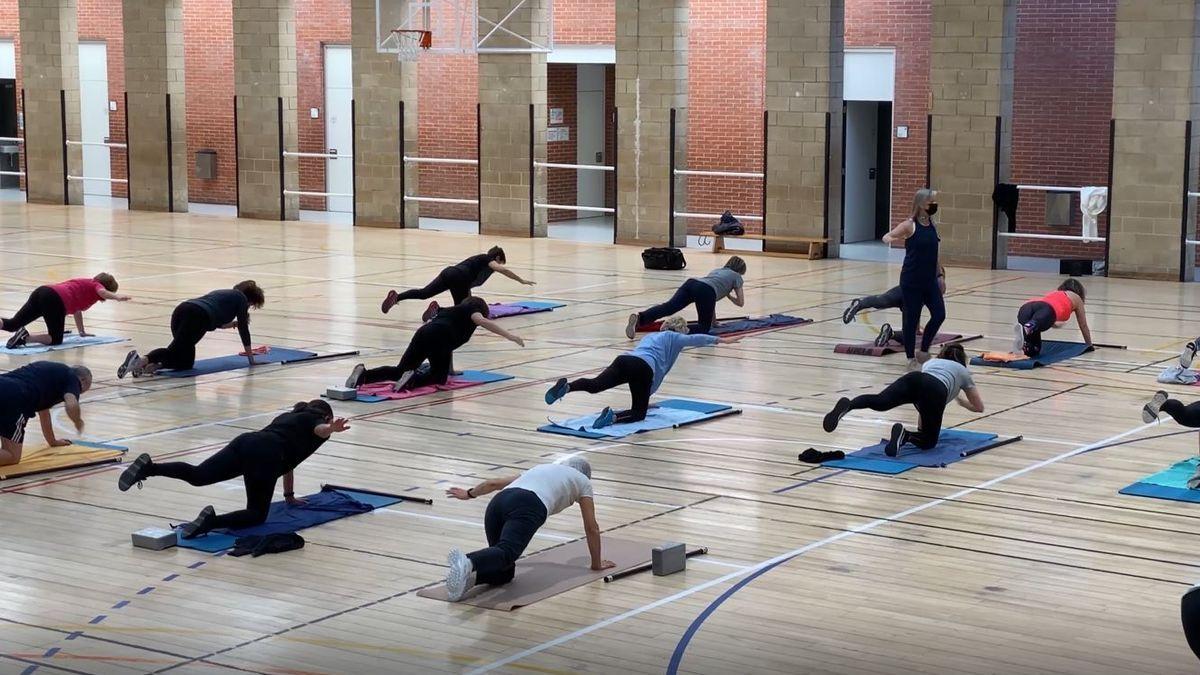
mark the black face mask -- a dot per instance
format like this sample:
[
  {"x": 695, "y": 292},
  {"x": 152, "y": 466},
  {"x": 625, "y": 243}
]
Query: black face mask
[{"x": 931, "y": 209}]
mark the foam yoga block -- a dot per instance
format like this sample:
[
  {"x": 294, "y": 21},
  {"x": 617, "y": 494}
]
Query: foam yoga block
[
  {"x": 670, "y": 414},
  {"x": 1052, "y": 352},
  {"x": 954, "y": 445},
  {"x": 382, "y": 391}
]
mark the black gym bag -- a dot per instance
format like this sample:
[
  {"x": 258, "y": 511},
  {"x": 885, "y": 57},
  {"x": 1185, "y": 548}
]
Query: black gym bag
[{"x": 663, "y": 259}]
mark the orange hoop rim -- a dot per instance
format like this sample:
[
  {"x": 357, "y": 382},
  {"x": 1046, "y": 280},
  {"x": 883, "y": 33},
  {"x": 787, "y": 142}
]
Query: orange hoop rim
[{"x": 424, "y": 38}]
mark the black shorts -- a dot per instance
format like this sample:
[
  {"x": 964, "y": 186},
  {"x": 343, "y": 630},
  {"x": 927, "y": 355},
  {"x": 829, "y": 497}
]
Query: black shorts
[{"x": 12, "y": 415}]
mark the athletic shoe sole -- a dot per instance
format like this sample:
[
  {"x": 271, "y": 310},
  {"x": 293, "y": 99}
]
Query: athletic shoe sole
[
  {"x": 18, "y": 338},
  {"x": 1150, "y": 410},
  {"x": 886, "y": 335},
  {"x": 1188, "y": 355},
  {"x": 356, "y": 377},
  {"x": 604, "y": 419},
  {"x": 556, "y": 392},
  {"x": 390, "y": 301},
  {"x": 127, "y": 365},
  {"x": 403, "y": 380},
  {"x": 839, "y": 411},
  {"x": 897, "y": 439},
  {"x": 430, "y": 311},
  {"x": 1018, "y": 345},
  {"x": 198, "y": 526},
  {"x": 132, "y": 475},
  {"x": 631, "y": 326},
  {"x": 848, "y": 315},
  {"x": 458, "y": 578}
]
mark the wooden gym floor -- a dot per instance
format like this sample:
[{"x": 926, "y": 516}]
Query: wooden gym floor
[{"x": 1022, "y": 560}]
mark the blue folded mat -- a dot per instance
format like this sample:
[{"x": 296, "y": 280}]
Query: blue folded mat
[
  {"x": 669, "y": 414},
  {"x": 1168, "y": 484},
  {"x": 466, "y": 379},
  {"x": 322, "y": 507},
  {"x": 1052, "y": 352},
  {"x": 221, "y": 364},
  {"x": 69, "y": 342},
  {"x": 750, "y": 325},
  {"x": 954, "y": 445}
]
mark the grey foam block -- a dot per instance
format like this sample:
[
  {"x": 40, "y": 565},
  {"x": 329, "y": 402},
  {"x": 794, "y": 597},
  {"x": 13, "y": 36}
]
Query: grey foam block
[
  {"x": 668, "y": 559},
  {"x": 341, "y": 393},
  {"x": 154, "y": 538}
]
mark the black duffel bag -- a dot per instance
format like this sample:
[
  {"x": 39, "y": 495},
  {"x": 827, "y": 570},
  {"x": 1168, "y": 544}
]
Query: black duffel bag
[{"x": 663, "y": 259}]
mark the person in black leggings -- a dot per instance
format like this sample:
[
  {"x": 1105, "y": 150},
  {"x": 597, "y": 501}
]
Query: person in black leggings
[
  {"x": 1186, "y": 415},
  {"x": 435, "y": 341},
  {"x": 893, "y": 298},
  {"x": 918, "y": 276},
  {"x": 929, "y": 390},
  {"x": 259, "y": 457},
  {"x": 704, "y": 292},
  {"x": 1189, "y": 610},
  {"x": 458, "y": 280},
  {"x": 54, "y": 303},
  {"x": 191, "y": 321}
]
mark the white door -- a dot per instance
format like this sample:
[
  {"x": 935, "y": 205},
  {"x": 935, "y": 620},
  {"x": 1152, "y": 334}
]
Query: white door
[
  {"x": 93, "y": 116},
  {"x": 589, "y": 135},
  {"x": 339, "y": 92},
  {"x": 861, "y": 150}
]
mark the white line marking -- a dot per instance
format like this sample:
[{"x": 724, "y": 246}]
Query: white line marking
[{"x": 864, "y": 527}]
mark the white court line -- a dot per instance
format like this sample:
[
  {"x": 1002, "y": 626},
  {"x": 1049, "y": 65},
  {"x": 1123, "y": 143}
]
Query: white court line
[{"x": 858, "y": 529}]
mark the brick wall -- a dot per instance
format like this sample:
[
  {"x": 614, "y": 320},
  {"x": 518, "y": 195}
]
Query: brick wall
[
  {"x": 208, "y": 81},
  {"x": 100, "y": 21},
  {"x": 905, "y": 26},
  {"x": 726, "y": 85},
  {"x": 447, "y": 129},
  {"x": 561, "y": 92},
  {"x": 585, "y": 22},
  {"x": 1062, "y": 104}
]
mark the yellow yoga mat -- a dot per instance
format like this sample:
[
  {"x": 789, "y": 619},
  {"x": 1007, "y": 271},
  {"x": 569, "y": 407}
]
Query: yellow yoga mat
[{"x": 74, "y": 456}]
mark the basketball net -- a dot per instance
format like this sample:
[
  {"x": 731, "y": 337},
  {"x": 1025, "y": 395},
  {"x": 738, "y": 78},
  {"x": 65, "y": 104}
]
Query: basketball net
[{"x": 410, "y": 43}]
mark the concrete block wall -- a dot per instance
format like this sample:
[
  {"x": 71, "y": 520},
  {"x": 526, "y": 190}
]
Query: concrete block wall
[{"x": 50, "y": 65}]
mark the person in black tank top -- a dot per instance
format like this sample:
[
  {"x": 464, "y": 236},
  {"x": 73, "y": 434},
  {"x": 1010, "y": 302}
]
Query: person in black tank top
[
  {"x": 458, "y": 279},
  {"x": 259, "y": 457},
  {"x": 919, "y": 275},
  {"x": 435, "y": 341}
]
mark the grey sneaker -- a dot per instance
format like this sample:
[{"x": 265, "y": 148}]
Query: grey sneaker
[
  {"x": 631, "y": 326},
  {"x": 461, "y": 576},
  {"x": 1150, "y": 410},
  {"x": 1187, "y": 355},
  {"x": 128, "y": 365},
  {"x": 356, "y": 377},
  {"x": 1018, "y": 344},
  {"x": 402, "y": 381}
]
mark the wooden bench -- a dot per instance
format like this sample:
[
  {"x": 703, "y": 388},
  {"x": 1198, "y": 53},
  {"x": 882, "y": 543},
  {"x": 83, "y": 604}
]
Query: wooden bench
[{"x": 816, "y": 245}]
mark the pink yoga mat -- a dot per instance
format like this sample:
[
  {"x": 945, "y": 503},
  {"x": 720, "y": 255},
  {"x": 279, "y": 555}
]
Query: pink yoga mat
[{"x": 384, "y": 389}]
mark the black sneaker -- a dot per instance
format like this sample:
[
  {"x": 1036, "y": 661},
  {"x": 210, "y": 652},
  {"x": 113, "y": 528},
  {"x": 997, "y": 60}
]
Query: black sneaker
[
  {"x": 201, "y": 525},
  {"x": 390, "y": 301},
  {"x": 899, "y": 438},
  {"x": 886, "y": 335},
  {"x": 18, "y": 338},
  {"x": 848, "y": 315},
  {"x": 134, "y": 474},
  {"x": 839, "y": 411},
  {"x": 129, "y": 364}
]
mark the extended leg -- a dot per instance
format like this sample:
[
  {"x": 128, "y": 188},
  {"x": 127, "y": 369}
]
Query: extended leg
[{"x": 682, "y": 298}]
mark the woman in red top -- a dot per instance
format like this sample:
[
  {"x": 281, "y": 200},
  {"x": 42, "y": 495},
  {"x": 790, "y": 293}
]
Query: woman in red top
[
  {"x": 1040, "y": 315},
  {"x": 53, "y": 304}
]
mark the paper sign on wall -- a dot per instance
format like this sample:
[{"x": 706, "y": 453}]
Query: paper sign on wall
[
  {"x": 556, "y": 116},
  {"x": 558, "y": 134}
]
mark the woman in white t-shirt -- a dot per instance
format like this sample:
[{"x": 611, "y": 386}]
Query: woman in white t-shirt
[{"x": 514, "y": 516}]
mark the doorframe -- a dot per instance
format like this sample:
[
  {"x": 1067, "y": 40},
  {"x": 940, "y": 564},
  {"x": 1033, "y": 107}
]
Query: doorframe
[
  {"x": 878, "y": 97},
  {"x": 325, "y": 46}
]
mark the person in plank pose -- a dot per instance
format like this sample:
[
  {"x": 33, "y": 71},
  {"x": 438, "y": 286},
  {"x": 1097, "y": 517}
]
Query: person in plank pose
[
  {"x": 515, "y": 514},
  {"x": 1049, "y": 311},
  {"x": 643, "y": 369},
  {"x": 704, "y": 292},
  {"x": 191, "y": 321},
  {"x": 893, "y": 298},
  {"x": 458, "y": 279},
  {"x": 259, "y": 457},
  {"x": 54, "y": 303},
  {"x": 435, "y": 341},
  {"x": 919, "y": 286},
  {"x": 929, "y": 390},
  {"x": 36, "y": 388}
]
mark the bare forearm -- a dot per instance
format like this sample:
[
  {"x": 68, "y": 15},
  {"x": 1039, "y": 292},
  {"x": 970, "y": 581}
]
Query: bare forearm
[
  {"x": 593, "y": 542},
  {"x": 47, "y": 426},
  {"x": 289, "y": 483}
]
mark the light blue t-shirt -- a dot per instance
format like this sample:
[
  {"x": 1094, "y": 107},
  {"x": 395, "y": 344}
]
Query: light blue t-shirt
[{"x": 662, "y": 348}]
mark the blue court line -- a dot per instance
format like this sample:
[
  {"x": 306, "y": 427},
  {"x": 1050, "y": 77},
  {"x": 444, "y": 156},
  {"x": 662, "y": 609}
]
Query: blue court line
[
  {"x": 809, "y": 482},
  {"x": 148, "y": 589},
  {"x": 51, "y": 652},
  {"x": 98, "y": 618},
  {"x": 169, "y": 577},
  {"x": 29, "y": 670},
  {"x": 120, "y": 604},
  {"x": 74, "y": 635},
  {"x": 196, "y": 565}
]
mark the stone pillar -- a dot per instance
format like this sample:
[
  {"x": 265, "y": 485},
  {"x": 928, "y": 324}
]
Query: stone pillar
[
  {"x": 49, "y": 66},
  {"x": 381, "y": 82},
  {"x": 966, "y": 82},
  {"x": 651, "y": 79},
  {"x": 1152, "y": 98},
  {"x": 508, "y": 84},
  {"x": 264, "y": 65},
  {"x": 805, "y": 55},
  {"x": 154, "y": 82}
]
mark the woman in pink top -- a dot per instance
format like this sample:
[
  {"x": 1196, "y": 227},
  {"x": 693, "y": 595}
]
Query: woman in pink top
[
  {"x": 53, "y": 303},
  {"x": 1041, "y": 314}
]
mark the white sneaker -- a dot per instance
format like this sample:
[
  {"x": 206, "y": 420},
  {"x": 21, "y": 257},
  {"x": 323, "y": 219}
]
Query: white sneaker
[
  {"x": 631, "y": 326},
  {"x": 1150, "y": 410},
  {"x": 402, "y": 382},
  {"x": 356, "y": 377},
  {"x": 1018, "y": 345},
  {"x": 1188, "y": 355},
  {"x": 461, "y": 576}
]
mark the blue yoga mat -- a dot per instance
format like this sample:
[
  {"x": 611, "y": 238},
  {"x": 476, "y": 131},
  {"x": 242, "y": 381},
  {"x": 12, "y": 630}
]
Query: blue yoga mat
[
  {"x": 221, "y": 364},
  {"x": 100, "y": 446},
  {"x": 954, "y": 445},
  {"x": 760, "y": 323},
  {"x": 669, "y": 414},
  {"x": 69, "y": 342},
  {"x": 468, "y": 378},
  {"x": 322, "y": 507},
  {"x": 1169, "y": 484},
  {"x": 1052, "y": 352}
]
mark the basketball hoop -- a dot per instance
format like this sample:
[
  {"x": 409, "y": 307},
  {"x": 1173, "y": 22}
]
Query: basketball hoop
[{"x": 409, "y": 43}]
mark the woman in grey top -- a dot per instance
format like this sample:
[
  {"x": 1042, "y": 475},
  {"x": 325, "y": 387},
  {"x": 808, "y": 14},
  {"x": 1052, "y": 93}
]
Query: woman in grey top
[
  {"x": 704, "y": 292},
  {"x": 929, "y": 390}
]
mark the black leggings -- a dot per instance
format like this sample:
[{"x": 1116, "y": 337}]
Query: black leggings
[
  {"x": 255, "y": 456},
  {"x": 893, "y": 298},
  {"x": 624, "y": 369},
  {"x": 1190, "y": 613},
  {"x": 189, "y": 324},
  {"x": 916, "y": 296},
  {"x": 925, "y": 392},
  {"x": 432, "y": 342},
  {"x": 451, "y": 279},
  {"x": 693, "y": 291},
  {"x": 1185, "y": 415},
  {"x": 45, "y": 303},
  {"x": 512, "y": 518},
  {"x": 1037, "y": 317}
]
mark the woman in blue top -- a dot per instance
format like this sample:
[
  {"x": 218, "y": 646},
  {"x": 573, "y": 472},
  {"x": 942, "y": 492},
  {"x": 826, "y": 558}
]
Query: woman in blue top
[
  {"x": 643, "y": 369},
  {"x": 919, "y": 275}
]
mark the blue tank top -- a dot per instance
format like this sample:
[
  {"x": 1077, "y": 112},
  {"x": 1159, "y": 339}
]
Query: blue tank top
[{"x": 921, "y": 256}]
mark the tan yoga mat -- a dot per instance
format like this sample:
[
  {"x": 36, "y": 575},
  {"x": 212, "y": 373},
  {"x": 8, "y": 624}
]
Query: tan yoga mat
[
  {"x": 45, "y": 460},
  {"x": 548, "y": 573}
]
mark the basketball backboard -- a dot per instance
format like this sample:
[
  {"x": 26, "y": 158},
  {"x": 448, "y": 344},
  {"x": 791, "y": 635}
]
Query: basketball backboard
[{"x": 458, "y": 28}]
